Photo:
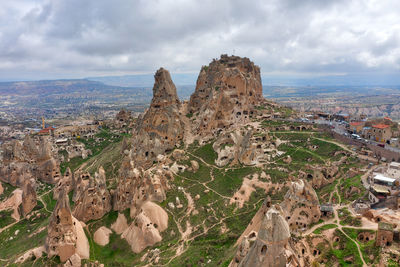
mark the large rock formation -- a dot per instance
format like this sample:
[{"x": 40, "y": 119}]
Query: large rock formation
[
  {"x": 226, "y": 94},
  {"x": 135, "y": 186},
  {"x": 301, "y": 206},
  {"x": 271, "y": 247},
  {"x": 161, "y": 127},
  {"x": 145, "y": 230},
  {"x": 95, "y": 201},
  {"x": 65, "y": 235},
  {"x": 24, "y": 161},
  {"x": 29, "y": 199}
]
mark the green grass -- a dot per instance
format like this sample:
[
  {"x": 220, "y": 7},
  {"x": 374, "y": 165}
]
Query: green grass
[
  {"x": 227, "y": 182},
  {"x": 347, "y": 219},
  {"x": 323, "y": 228},
  {"x": 5, "y": 218},
  {"x": 343, "y": 249},
  {"x": 207, "y": 153},
  {"x": 367, "y": 248},
  {"x": 8, "y": 189}
]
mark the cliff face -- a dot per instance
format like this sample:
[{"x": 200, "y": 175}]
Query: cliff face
[
  {"x": 159, "y": 130},
  {"x": 227, "y": 92}
]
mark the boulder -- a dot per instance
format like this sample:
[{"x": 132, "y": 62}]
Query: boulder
[
  {"x": 102, "y": 236},
  {"x": 120, "y": 225}
]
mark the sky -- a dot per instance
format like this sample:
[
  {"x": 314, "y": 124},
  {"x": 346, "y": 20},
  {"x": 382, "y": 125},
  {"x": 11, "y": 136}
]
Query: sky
[{"x": 52, "y": 39}]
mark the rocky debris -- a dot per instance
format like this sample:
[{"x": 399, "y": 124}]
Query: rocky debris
[
  {"x": 65, "y": 235},
  {"x": 95, "y": 201},
  {"x": 271, "y": 247},
  {"x": 226, "y": 94},
  {"x": 102, "y": 236},
  {"x": 73, "y": 261},
  {"x": 35, "y": 252},
  {"x": 301, "y": 205},
  {"x": 136, "y": 186},
  {"x": 29, "y": 199},
  {"x": 146, "y": 227},
  {"x": 161, "y": 127},
  {"x": 194, "y": 165},
  {"x": 120, "y": 225}
]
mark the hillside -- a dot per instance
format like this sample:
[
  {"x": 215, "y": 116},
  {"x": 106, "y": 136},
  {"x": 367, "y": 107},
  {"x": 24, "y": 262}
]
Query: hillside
[{"x": 227, "y": 178}]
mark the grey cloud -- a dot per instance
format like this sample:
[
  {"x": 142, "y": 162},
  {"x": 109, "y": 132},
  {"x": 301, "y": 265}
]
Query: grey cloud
[{"x": 102, "y": 37}]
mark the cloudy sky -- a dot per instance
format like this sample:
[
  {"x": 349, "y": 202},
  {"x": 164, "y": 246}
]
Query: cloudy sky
[{"x": 44, "y": 39}]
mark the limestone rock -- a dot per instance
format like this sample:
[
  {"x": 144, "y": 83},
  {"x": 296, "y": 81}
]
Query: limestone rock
[
  {"x": 95, "y": 201},
  {"x": 235, "y": 147},
  {"x": 136, "y": 186},
  {"x": 73, "y": 261},
  {"x": 102, "y": 236},
  {"x": 146, "y": 227},
  {"x": 13, "y": 203},
  {"x": 29, "y": 199},
  {"x": 65, "y": 235},
  {"x": 1, "y": 189},
  {"x": 67, "y": 183},
  {"x": 226, "y": 94},
  {"x": 195, "y": 165},
  {"x": 120, "y": 225},
  {"x": 301, "y": 205},
  {"x": 161, "y": 127},
  {"x": 271, "y": 247}
]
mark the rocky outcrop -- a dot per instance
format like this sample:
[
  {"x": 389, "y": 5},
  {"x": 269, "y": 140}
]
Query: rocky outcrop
[
  {"x": 23, "y": 161},
  {"x": 271, "y": 247},
  {"x": 161, "y": 127},
  {"x": 146, "y": 227},
  {"x": 120, "y": 225},
  {"x": 226, "y": 94},
  {"x": 235, "y": 147},
  {"x": 123, "y": 118},
  {"x": 301, "y": 206},
  {"x": 102, "y": 236},
  {"x": 67, "y": 183},
  {"x": 29, "y": 199},
  {"x": 65, "y": 235},
  {"x": 135, "y": 186},
  {"x": 95, "y": 201}
]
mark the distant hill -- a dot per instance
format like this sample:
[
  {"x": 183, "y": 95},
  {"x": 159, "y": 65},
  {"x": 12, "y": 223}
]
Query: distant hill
[{"x": 49, "y": 87}]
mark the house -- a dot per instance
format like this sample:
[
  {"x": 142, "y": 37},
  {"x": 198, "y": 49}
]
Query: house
[
  {"x": 381, "y": 133},
  {"x": 326, "y": 210},
  {"x": 378, "y": 193},
  {"x": 384, "y": 236},
  {"x": 357, "y": 126},
  {"x": 47, "y": 131}
]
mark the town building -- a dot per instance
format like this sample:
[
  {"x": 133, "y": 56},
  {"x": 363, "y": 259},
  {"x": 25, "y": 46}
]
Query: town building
[
  {"x": 380, "y": 133},
  {"x": 384, "y": 236},
  {"x": 356, "y": 127}
]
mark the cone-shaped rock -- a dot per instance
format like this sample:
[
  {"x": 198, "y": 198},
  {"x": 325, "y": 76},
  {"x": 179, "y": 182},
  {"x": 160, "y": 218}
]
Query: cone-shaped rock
[{"x": 161, "y": 127}]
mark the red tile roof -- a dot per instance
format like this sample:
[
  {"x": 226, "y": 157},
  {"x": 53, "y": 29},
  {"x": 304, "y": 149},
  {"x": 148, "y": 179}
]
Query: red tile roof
[
  {"x": 380, "y": 126},
  {"x": 46, "y": 130},
  {"x": 356, "y": 123}
]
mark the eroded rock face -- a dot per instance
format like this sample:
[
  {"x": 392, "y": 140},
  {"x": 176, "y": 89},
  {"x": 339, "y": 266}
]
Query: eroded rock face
[
  {"x": 29, "y": 199},
  {"x": 95, "y": 201},
  {"x": 235, "y": 147},
  {"x": 135, "y": 186},
  {"x": 146, "y": 227},
  {"x": 271, "y": 247},
  {"x": 23, "y": 161},
  {"x": 161, "y": 127},
  {"x": 61, "y": 238},
  {"x": 226, "y": 94},
  {"x": 66, "y": 183},
  {"x": 301, "y": 205}
]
